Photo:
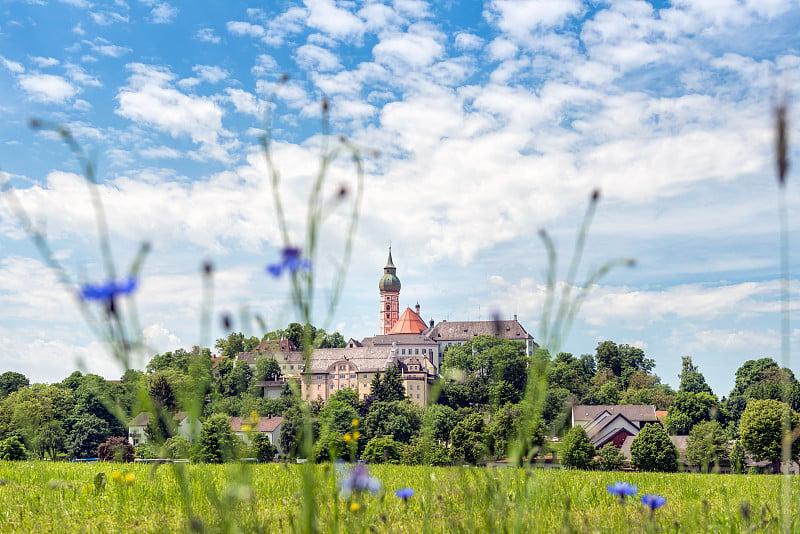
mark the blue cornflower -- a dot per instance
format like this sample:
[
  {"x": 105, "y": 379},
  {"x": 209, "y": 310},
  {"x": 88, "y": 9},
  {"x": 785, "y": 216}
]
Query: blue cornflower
[
  {"x": 109, "y": 291},
  {"x": 291, "y": 261},
  {"x": 621, "y": 490},
  {"x": 359, "y": 480},
  {"x": 404, "y": 493},
  {"x": 653, "y": 501}
]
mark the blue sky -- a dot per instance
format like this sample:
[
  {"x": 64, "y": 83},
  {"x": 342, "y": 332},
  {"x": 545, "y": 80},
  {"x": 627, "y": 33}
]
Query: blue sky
[{"x": 492, "y": 120}]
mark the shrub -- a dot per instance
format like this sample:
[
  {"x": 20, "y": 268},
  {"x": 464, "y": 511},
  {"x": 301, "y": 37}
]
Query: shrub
[
  {"x": 217, "y": 442},
  {"x": 610, "y": 458},
  {"x": 12, "y": 449},
  {"x": 707, "y": 444},
  {"x": 578, "y": 449},
  {"x": 177, "y": 447},
  {"x": 382, "y": 450},
  {"x": 652, "y": 450},
  {"x": 263, "y": 449},
  {"x": 115, "y": 449},
  {"x": 145, "y": 451}
]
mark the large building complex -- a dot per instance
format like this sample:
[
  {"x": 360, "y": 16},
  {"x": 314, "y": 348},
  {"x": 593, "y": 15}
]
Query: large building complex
[{"x": 404, "y": 340}]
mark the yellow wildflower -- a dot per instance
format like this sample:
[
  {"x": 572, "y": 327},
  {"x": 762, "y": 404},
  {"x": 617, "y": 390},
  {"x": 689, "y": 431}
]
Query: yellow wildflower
[
  {"x": 348, "y": 437},
  {"x": 116, "y": 476},
  {"x": 245, "y": 428},
  {"x": 354, "y": 507},
  {"x": 356, "y": 434},
  {"x": 129, "y": 478},
  {"x": 355, "y": 423}
]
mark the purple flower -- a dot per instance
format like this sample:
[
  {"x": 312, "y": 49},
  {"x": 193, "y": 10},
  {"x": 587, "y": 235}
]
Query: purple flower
[
  {"x": 621, "y": 490},
  {"x": 109, "y": 291},
  {"x": 359, "y": 480},
  {"x": 653, "y": 501},
  {"x": 404, "y": 493},
  {"x": 290, "y": 261}
]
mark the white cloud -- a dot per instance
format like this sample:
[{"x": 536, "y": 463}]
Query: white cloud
[
  {"x": 415, "y": 49},
  {"x": 160, "y": 152},
  {"x": 245, "y": 29},
  {"x": 82, "y": 4},
  {"x": 207, "y": 35},
  {"x": 210, "y": 73},
  {"x": 47, "y": 88},
  {"x": 13, "y": 66},
  {"x": 106, "y": 48},
  {"x": 245, "y": 102},
  {"x": 468, "y": 41},
  {"x": 79, "y": 76},
  {"x": 163, "y": 13},
  {"x": 107, "y": 18},
  {"x": 151, "y": 100},
  {"x": 520, "y": 18},
  {"x": 44, "y": 62},
  {"x": 159, "y": 339},
  {"x": 332, "y": 20},
  {"x": 312, "y": 57},
  {"x": 265, "y": 65},
  {"x": 501, "y": 49}
]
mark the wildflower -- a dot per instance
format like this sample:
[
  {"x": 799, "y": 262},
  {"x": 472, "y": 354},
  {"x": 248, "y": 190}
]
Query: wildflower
[
  {"x": 116, "y": 476},
  {"x": 245, "y": 428},
  {"x": 621, "y": 490},
  {"x": 348, "y": 438},
  {"x": 109, "y": 291},
  {"x": 404, "y": 493},
  {"x": 354, "y": 422},
  {"x": 653, "y": 501},
  {"x": 129, "y": 478},
  {"x": 356, "y": 435},
  {"x": 359, "y": 480},
  {"x": 354, "y": 506},
  {"x": 291, "y": 261}
]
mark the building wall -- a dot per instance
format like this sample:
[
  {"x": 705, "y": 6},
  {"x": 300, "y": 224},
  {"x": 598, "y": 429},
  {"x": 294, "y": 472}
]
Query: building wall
[{"x": 389, "y": 310}]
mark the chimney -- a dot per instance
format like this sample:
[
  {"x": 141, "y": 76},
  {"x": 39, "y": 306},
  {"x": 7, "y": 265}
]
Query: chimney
[
  {"x": 515, "y": 316},
  {"x": 431, "y": 323}
]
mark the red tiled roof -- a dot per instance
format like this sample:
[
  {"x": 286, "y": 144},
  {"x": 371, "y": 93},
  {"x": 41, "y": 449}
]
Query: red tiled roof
[
  {"x": 264, "y": 424},
  {"x": 409, "y": 323}
]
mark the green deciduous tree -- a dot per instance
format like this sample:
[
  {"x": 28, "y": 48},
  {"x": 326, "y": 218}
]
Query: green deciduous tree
[
  {"x": 267, "y": 369},
  {"x": 10, "y": 382},
  {"x": 707, "y": 445},
  {"x": 88, "y": 432},
  {"x": 692, "y": 380},
  {"x": 760, "y": 428},
  {"x": 578, "y": 449},
  {"x": 217, "y": 442},
  {"x": 399, "y": 419},
  {"x": 12, "y": 449},
  {"x": 263, "y": 448},
  {"x": 382, "y": 450},
  {"x": 468, "y": 439},
  {"x": 610, "y": 458},
  {"x": 652, "y": 450},
  {"x": 691, "y": 408}
]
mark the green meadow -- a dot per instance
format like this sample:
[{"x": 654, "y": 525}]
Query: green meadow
[{"x": 65, "y": 497}]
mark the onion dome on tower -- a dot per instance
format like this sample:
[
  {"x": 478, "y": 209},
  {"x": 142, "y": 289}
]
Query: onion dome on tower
[{"x": 389, "y": 280}]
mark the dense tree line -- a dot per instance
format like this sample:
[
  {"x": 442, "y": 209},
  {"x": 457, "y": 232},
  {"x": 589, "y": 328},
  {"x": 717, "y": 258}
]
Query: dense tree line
[{"x": 480, "y": 410}]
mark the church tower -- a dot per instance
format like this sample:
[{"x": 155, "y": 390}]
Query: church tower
[{"x": 389, "y": 286}]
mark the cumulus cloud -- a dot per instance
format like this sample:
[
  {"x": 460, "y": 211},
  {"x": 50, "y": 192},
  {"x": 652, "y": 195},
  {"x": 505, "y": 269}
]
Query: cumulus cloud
[
  {"x": 149, "y": 98},
  {"x": 163, "y": 13},
  {"x": 13, "y": 66},
  {"x": 207, "y": 35},
  {"x": 332, "y": 20},
  {"x": 47, "y": 88},
  {"x": 313, "y": 57}
]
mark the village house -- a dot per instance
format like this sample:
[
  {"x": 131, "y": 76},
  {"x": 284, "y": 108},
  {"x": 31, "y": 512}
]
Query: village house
[
  {"x": 246, "y": 427},
  {"x": 138, "y": 425},
  {"x": 612, "y": 424}
]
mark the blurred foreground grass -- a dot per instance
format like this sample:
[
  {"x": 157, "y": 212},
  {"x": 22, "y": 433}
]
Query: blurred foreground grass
[{"x": 62, "y": 497}]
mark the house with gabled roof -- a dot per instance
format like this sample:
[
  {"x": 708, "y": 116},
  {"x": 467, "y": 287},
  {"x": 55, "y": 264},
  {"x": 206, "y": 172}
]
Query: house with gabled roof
[
  {"x": 246, "y": 427},
  {"x": 612, "y": 423},
  {"x": 138, "y": 425}
]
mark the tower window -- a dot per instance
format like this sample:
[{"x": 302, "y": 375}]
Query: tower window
[{"x": 388, "y": 307}]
